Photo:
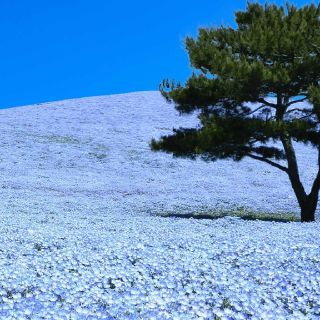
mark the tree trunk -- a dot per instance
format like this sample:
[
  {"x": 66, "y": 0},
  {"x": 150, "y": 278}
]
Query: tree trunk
[
  {"x": 308, "y": 203},
  {"x": 308, "y": 209}
]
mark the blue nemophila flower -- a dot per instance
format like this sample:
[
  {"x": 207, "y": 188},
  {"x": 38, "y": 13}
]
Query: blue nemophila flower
[{"x": 100, "y": 255}]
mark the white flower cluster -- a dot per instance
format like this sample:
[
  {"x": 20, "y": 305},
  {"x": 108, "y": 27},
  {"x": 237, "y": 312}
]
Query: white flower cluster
[{"x": 108, "y": 267}]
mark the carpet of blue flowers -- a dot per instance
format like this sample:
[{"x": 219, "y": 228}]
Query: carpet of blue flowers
[{"x": 79, "y": 239}]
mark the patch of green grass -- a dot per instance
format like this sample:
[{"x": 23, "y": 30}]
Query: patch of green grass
[
  {"x": 98, "y": 156},
  {"x": 62, "y": 139},
  {"x": 226, "y": 304},
  {"x": 99, "y": 152},
  {"x": 240, "y": 212}
]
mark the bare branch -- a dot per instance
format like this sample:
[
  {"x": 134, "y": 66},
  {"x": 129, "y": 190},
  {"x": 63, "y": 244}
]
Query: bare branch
[
  {"x": 252, "y": 111},
  {"x": 297, "y": 109},
  {"x": 269, "y": 104},
  {"x": 274, "y": 164},
  {"x": 306, "y": 116},
  {"x": 295, "y": 101}
]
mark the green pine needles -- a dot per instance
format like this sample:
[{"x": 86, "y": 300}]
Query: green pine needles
[{"x": 271, "y": 59}]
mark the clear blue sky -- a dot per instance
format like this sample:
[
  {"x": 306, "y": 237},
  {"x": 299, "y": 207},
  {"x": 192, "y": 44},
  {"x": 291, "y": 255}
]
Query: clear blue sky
[{"x": 58, "y": 49}]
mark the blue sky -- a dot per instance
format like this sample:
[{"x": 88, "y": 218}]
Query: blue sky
[{"x": 59, "y": 49}]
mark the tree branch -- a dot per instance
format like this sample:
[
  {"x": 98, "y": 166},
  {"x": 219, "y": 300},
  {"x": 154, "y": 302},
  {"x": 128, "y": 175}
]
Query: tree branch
[
  {"x": 252, "y": 111},
  {"x": 306, "y": 116},
  {"x": 293, "y": 170},
  {"x": 269, "y": 104},
  {"x": 295, "y": 101},
  {"x": 298, "y": 109},
  {"x": 304, "y": 111},
  {"x": 274, "y": 164}
]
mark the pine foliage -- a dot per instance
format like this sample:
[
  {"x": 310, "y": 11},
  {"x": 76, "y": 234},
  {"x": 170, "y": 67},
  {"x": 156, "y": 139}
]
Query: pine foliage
[{"x": 272, "y": 60}]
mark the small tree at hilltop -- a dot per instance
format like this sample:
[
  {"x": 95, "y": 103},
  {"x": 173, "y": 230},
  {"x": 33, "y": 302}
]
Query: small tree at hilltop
[{"x": 273, "y": 52}]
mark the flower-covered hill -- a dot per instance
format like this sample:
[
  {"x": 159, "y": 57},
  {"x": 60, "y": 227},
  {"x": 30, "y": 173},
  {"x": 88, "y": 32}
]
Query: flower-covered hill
[
  {"x": 92, "y": 155},
  {"x": 78, "y": 238}
]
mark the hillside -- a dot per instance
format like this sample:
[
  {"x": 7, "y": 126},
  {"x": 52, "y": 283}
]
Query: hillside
[
  {"x": 78, "y": 238},
  {"x": 91, "y": 155}
]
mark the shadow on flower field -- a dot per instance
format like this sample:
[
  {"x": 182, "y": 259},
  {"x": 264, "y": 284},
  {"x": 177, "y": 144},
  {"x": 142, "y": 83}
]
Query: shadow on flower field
[{"x": 241, "y": 213}]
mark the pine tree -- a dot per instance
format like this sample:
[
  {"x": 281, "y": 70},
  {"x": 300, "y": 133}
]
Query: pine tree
[{"x": 272, "y": 60}]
